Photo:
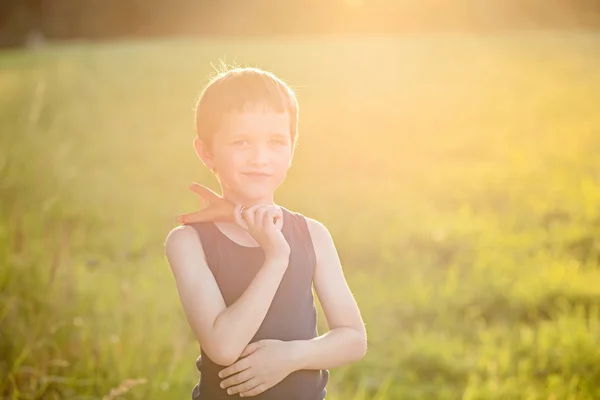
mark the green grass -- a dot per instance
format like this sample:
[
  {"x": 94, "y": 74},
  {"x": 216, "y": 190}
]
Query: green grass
[{"x": 459, "y": 176}]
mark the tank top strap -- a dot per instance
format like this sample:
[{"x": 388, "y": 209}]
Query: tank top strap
[{"x": 298, "y": 235}]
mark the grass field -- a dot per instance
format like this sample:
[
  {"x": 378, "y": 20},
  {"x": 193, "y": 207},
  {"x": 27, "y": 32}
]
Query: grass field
[{"x": 459, "y": 176}]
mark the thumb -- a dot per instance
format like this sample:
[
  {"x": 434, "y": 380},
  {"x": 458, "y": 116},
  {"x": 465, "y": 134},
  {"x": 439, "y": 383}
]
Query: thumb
[{"x": 251, "y": 348}]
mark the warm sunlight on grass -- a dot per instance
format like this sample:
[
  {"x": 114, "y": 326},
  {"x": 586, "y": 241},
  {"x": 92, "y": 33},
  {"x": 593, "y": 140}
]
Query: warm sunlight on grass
[{"x": 459, "y": 176}]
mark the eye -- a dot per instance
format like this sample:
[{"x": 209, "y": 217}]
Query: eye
[
  {"x": 279, "y": 142},
  {"x": 240, "y": 143}
]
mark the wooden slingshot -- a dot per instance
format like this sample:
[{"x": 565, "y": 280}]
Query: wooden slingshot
[{"x": 213, "y": 208}]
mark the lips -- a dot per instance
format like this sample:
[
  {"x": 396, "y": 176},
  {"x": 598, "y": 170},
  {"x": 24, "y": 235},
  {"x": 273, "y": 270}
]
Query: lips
[{"x": 257, "y": 175}]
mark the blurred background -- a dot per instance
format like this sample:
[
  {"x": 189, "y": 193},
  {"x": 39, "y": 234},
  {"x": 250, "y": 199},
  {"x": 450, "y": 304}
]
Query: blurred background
[{"x": 451, "y": 148}]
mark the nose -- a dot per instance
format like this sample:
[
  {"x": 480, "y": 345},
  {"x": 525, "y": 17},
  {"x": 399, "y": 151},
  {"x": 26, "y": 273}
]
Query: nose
[{"x": 260, "y": 155}]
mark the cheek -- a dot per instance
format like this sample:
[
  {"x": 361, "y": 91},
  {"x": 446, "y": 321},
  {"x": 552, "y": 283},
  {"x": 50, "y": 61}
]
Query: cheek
[
  {"x": 283, "y": 160},
  {"x": 229, "y": 161},
  {"x": 283, "y": 164}
]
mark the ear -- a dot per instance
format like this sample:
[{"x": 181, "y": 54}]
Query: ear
[{"x": 203, "y": 152}]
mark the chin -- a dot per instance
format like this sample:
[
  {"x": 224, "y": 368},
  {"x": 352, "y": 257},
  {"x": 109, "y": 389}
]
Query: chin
[
  {"x": 257, "y": 194},
  {"x": 254, "y": 196}
]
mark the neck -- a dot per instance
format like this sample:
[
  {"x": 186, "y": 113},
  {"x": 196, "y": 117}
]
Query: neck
[{"x": 236, "y": 198}]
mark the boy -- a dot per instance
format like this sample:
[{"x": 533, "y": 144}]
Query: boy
[{"x": 244, "y": 274}]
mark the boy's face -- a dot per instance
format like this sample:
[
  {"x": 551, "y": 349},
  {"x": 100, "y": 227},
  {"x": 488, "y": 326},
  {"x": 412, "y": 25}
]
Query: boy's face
[{"x": 251, "y": 153}]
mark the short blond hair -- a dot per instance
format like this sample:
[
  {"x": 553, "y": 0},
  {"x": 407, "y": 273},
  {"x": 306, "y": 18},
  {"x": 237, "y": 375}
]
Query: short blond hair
[{"x": 237, "y": 89}]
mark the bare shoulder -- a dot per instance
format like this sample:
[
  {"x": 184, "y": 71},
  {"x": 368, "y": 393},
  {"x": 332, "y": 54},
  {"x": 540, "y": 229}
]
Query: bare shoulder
[
  {"x": 179, "y": 236},
  {"x": 316, "y": 228},
  {"x": 182, "y": 242},
  {"x": 320, "y": 235}
]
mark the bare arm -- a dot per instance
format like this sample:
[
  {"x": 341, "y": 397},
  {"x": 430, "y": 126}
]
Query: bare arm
[
  {"x": 346, "y": 340},
  {"x": 223, "y": 332}
]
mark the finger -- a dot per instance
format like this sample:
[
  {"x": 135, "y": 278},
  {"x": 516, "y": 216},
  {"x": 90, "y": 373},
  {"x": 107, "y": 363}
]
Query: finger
[
  {"x": 279, "y": 221},
  {"x": 249, "y": 215},
  {"x": 255, "y": 390},
  {"x": 273, "y": 216},
  {"x": 251, "y": 348},
  {"x": 234, "y": 368},
  {"x": 237, "y": 378},
  {"x": 265, "y": 216},
  {"x": 244, "y": 387},
  {"x": 246, "y": 217},
  {"x": 259, "y": 216},
  {"x": 271, "y": 219},
  {"x": 277, "y": 218},
  {"x": 239, "y": 218},
  {"x": 279, "y": 213},
  {"x": 204, "y": 192}
]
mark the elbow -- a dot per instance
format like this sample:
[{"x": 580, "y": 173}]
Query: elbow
[
  {"x": 222, "y": 351},
  {"x": 222, "y": 355},
  {"x": 356, "y": 340},
  {"x": 227, "y": 359},
  {"x": 363, "y": 349},
  {"x": 221, "y": 348},
  {"x": 361, "y": 345}
]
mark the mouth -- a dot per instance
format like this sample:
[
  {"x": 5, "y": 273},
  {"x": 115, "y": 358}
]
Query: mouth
[{"x": 257, "y": 175}]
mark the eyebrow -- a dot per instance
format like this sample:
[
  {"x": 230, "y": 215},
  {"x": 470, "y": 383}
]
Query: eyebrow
[{"x": 250, "y": 134}]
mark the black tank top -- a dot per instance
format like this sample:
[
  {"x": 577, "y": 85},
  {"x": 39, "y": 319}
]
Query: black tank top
[{"x": 291, "y": 316}]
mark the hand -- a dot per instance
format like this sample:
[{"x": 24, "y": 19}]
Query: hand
[
  {"x": 263, "y": 222},
  {"x": 263, "y": 365},
  {"x": 212, "y": 208}
]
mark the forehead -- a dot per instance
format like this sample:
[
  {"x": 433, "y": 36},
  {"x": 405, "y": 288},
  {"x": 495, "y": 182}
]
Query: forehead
[{"x": 255, "y": 122}]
